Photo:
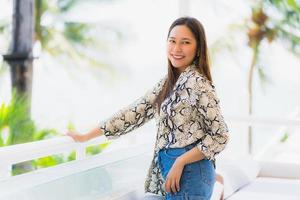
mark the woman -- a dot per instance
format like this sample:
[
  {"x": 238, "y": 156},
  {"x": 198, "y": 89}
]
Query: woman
[{"x": 190, "y": 127}]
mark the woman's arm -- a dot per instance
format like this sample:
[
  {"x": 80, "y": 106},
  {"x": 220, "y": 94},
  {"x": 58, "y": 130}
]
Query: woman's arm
[
  {"x": 190, "y": 156},
  {"x": 82, "y": 138},
  {"x": 126, "y": 119},
  {"x": 173, "y": 178},
  {"x": 134, "y": 115},
  {"x": 210, "y": 116}
]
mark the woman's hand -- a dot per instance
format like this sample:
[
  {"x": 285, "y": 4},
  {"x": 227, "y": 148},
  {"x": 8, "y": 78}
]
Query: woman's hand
[
  {"x": 173, "y": 177},
  {"x": 83, "y": 138},
  {"x": 77, "y": 137}
]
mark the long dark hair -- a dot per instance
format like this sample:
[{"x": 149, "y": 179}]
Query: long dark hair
[{"x": 201, "y": 59}]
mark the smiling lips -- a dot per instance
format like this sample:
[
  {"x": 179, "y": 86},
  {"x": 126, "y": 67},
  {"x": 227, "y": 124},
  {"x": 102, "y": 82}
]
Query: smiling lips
[{"x": 177, "y": 57}]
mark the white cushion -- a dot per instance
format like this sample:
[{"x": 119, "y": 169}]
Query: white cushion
[
  {"x": 237, "y": 173},
  {"x": 269, "y": 188},
  {"x": 279, "y": 170}
]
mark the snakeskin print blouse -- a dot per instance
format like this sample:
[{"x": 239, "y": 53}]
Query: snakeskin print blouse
[{"x": 191, "y": 114}]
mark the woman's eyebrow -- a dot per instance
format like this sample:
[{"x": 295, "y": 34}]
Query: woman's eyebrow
[{"x": 180, "y": 38}]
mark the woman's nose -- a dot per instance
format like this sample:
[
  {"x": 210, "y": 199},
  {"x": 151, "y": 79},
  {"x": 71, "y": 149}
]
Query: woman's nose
[{"x": 177, "y": 48}]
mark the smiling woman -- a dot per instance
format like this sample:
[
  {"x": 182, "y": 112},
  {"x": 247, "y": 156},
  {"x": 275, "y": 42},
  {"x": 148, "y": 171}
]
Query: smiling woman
[
  {"x": 181, "y": 47},
  {"x": 191, "y": 130}
]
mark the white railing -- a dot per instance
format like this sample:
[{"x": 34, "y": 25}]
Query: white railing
[
  {"x": 23, "y": 152},
  {"x": 105, "y": 167},
  {"x": 283, "y": 124},
  {"x": 28, "y": 151},
  {"x": 292, "y": 122}
]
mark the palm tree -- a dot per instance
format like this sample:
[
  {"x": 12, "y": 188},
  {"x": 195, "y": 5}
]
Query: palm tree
[
  {"x": 265, "y": 26},
  {"x": 68, "y": 41},
  {"x": 61, "y": 38},
  {"x": 270, "y": 20}
]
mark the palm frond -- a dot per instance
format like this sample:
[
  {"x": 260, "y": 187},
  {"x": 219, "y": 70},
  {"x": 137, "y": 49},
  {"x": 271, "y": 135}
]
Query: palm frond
[
  {"x": 285, "y": 11},
  {"x": 66, "y": 5},
  {"x": 291, "y": 40},
  {"x": 3, "y": 115},
  {"x": 227, "y": 43},
  {"x": 61, "y": 47},
  {"x": 44, "y": 134},
  {"x": 263, "y": 78},
  {"x": 1, "y": 140},
  {"x": 21, "y": 127},
  {"x": 283, "y": 5},
  {"x": 77, "y": 32}
]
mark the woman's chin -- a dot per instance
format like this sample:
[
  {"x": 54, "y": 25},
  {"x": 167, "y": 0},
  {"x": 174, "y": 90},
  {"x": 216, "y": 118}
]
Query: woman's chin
[{"x": 179, "y": 67}]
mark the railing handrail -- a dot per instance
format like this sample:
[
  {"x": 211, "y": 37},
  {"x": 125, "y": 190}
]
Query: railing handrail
[
  {"x": 32, "y": 150},
  {"x": 28, "y": 151},
  {"x": 255, "y": 120},
  {"x": 13, "y": 154},
  {"x": 46, "y": 175}
]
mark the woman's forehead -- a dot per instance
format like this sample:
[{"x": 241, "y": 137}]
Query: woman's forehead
[{"x": 181, "y": 32}]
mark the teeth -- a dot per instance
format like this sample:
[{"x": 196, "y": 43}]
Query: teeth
[{"x": 178, "y": 57}]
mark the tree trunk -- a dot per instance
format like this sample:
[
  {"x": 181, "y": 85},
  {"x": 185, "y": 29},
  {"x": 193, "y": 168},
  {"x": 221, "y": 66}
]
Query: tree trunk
[
  {"x": 250, "y": 97},
  {"x": 20, "y": 56},
  {"x": 20, "y": 60}
]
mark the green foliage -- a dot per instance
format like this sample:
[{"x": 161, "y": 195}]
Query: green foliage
[
  {"x": 285, "y": 5},
  {"x": 14, "y": 116},
  {"x": 76, "y": 32},
  {"x": 66, "y": 5},
  {"x": 48, "y": 161},
  {"x": 53, "y": 160},
  {"x": 2, "y": 27},
  {"x": 1, "y": 141},
  {"x": 22, "y": 168},
  {"x": 270, "y": 20},
  {"x": 71, "y": 127},
  {"x": 63, "y": 38},
  {"x": 14, "y": 119},
  {"x": 17, "y": 127},
  {"x": 44, "y": 134},
  {"x": 285, "y": 137},
  {"x": 71, "y": 156},
  {"x": 284, "y": 19},
  {"x": 95, "y": 149}
]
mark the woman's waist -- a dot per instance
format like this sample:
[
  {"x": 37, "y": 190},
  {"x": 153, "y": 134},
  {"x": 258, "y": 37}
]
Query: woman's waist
[
  {"x": 178, "y": 149},
  {"x": 173, "y": 142}
]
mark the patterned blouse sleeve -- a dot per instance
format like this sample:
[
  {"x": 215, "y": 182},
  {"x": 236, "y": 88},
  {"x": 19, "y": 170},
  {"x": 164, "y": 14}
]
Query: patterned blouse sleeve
[
  {"x": 216, "y": 130},
  {"x": 134, "y": 115}
]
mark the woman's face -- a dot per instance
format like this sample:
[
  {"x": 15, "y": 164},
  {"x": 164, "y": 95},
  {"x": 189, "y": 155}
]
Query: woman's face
[{"x": 181, "y": 47}]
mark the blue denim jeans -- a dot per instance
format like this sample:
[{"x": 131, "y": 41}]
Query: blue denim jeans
[{"x": 197, "y": 179}]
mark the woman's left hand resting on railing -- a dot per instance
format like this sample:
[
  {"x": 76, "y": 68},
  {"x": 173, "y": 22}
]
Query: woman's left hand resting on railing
[{"x": 83, "y": 138}]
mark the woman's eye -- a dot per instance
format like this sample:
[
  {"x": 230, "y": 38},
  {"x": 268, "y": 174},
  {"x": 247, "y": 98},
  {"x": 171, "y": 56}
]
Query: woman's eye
[
  {"x": 186, "y": 42},
  {"x": 172, "y": 41}
]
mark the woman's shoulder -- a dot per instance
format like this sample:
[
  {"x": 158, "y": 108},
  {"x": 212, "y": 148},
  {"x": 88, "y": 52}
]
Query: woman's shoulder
[
  {"x": 201, "y": 85},
  {"x": 198, "y": 80}
]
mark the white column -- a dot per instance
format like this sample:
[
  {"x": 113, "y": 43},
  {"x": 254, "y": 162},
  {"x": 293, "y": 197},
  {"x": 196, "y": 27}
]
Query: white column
[
  {"x": 80, "y": 152},
  {"x": 5, "y": 170}
]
